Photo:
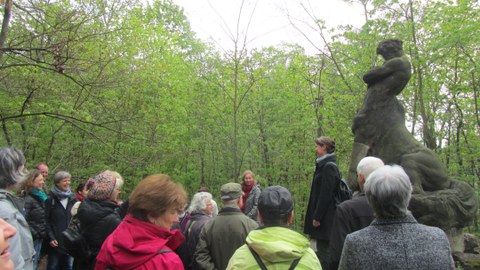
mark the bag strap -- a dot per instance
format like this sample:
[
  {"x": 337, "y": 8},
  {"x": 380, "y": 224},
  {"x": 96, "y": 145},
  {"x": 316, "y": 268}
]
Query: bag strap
[
  {"x": 257, "y": 258},
  {"x": 189, "y": 228},
  {"x": 262, "y": 265},
  {"x": 337, "y": 186},
  {"x": 294, "y": 264}
]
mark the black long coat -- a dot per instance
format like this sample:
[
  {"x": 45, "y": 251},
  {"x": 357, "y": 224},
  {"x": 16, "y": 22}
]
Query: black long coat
[
  {"x": 58, "y": 218},
  {"x": 321, "y": 205}
]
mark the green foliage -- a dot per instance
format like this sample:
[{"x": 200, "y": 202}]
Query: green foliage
[{"x": 94, "y": 85}]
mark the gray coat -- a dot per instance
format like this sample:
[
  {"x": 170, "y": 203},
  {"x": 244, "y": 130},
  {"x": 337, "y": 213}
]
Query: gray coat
[
  {"x": 251, "y": 204},
  {"x": 401, "y": 244},
  {"x": 21, "y": 244}
]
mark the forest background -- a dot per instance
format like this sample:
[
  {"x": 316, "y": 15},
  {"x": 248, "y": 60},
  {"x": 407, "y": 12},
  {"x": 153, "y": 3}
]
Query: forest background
[{"x": 115, "y": 84}]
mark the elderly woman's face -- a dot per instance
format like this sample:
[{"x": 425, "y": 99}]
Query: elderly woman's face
[
  {"x": 208, "y": 207},
  {"x": 6, "y": 231},
  {"x": 64, "y": 184},
  {"x": 167, "y": 219}
]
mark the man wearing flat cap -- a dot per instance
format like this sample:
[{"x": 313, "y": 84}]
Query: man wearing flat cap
[
  {"x": 221, "y": 236},
  {"x": 274, "y": 245}
]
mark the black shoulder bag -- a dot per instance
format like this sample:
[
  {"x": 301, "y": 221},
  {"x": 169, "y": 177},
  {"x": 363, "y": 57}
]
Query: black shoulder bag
[
  {"x": 74, "y": 242},
  {"x": 262, "y": 265}
]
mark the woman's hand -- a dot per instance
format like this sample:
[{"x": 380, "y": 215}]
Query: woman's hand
[
  {"x": 54, "y": 243},
  {"x": 316, "y": 223}
]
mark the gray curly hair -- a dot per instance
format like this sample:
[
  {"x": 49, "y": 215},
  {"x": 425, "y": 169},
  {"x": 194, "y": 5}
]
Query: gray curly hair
[{"x": 12, "y": 162}]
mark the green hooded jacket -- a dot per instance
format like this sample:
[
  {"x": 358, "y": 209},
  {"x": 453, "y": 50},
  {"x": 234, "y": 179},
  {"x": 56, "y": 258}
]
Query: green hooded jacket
[{"x": 278, "y": 247}]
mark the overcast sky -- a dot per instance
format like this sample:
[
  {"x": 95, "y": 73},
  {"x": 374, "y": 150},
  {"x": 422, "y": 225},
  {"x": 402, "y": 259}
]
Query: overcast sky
[{"x": 217, "y": 20}]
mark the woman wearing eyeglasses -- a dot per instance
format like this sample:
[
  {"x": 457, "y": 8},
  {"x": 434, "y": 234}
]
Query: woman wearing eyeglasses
[{"x": 143, "y": 240}]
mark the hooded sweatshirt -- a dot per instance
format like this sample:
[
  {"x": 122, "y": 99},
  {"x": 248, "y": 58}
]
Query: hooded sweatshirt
[
  {"x": 141, "y": 245},
  {"x": 278, "y": 247}
]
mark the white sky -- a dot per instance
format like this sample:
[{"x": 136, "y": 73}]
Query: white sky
[{"x": 217, "y": 20}]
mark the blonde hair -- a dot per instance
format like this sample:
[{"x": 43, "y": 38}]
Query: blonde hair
[
  {"x": 119, "y": 179},
  {"x": 248, "y": 172}
]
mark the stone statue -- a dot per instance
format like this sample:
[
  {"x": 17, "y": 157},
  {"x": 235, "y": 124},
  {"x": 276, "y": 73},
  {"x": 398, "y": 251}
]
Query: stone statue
[{"x": 380, "y": 131}]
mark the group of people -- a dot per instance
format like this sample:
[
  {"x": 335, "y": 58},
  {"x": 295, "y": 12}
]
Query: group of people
[
  {"x": 374, "y": 230},
  {"x": 40, "y": 216}
]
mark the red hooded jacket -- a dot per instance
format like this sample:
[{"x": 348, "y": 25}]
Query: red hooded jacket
[{"x": 137, "y": 244}]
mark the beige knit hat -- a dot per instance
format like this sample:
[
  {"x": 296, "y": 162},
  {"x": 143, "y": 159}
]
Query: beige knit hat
[{"x": 103, "y": 187}]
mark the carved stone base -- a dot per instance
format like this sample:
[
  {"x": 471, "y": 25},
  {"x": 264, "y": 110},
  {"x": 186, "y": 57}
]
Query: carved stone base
[{"x": 469, "y": 257}]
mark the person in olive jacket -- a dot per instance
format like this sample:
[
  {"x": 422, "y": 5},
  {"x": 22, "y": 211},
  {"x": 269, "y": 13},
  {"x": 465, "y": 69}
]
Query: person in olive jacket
[
  {"x": 33, "y": 193},
  {"x": 98, "y": 215},
  {"x": 58, "y": 209}
]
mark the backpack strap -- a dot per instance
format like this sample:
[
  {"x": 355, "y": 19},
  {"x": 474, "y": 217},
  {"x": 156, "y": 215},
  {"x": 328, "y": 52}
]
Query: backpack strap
[
  {"x": 161, "y": 251},
  {"x": 189, "y": 228},
  {"x": 294, "y": 264},
  {"x": 257, "y": 258},
  {"x": 262, "y": 265},
  {"x": 337, "y": 185}
]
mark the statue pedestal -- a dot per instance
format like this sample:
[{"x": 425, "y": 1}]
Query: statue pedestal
[{"x": 456, "y": 239}]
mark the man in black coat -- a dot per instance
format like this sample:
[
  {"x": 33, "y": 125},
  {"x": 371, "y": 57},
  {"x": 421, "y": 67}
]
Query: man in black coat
[{"x": 352, "y": 215}]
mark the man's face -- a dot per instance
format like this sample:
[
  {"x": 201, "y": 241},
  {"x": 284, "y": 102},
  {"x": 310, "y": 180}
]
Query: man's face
[{"x": 44, "y": 170}]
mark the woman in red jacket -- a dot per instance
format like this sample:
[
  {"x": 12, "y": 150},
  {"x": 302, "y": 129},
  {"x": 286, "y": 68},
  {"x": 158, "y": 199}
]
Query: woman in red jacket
[{"x": 143, "y": 240}]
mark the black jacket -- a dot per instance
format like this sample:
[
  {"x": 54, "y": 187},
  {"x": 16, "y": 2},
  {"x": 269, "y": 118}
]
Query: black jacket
[
  {"x": 35, "y": 216},
  {"x": 350, "y": 216},
  {"x": 321, "y": 205},
  {"x": 58, "y": 218},
  {"x": 98, "y": 219}
]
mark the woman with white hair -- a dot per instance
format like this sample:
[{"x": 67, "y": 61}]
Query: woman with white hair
[
  {"x": 58, "y": 213},
  {"x": 200, "y": 210},
  {"x": 12, "y": 173},
  {"x": 394, "y": 240}
]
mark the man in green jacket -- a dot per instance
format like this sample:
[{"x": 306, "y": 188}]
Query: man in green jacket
[
  {"x": 221, "y": 236},
  {"x": 275, "y": 245}
]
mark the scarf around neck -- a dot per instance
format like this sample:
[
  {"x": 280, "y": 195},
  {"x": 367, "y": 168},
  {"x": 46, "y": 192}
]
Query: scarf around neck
[
  {"x": 39, "y": 194},
  {"x": 246, "y": 191},
  {"x": 324, "y": 157},
  {"x": 61, "y": 194}
]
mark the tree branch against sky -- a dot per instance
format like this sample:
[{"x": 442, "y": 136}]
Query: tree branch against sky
[{"x": 269, "y": 24}]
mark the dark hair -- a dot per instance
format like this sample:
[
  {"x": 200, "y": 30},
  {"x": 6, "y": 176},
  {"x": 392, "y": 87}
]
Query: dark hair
[
  {"x": 328, "y": 142},
  {"x": 80, "y": 187},
  {"x": 270, "y": 221}
]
